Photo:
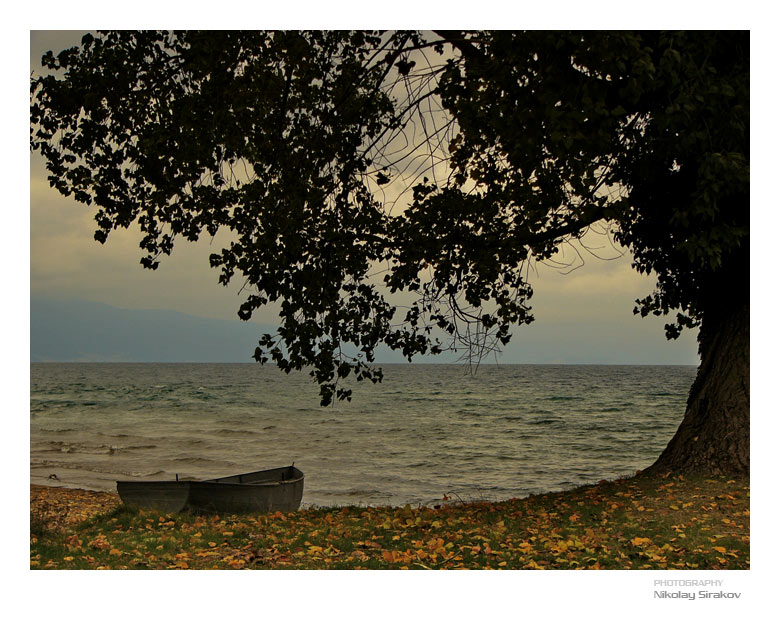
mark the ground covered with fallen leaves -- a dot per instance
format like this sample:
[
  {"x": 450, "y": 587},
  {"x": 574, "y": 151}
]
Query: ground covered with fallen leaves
[{"x": 671, "y": 522}]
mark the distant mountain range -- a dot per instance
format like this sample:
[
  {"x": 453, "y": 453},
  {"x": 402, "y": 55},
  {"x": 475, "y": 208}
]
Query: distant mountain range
[{"x": 78, "y": 330}]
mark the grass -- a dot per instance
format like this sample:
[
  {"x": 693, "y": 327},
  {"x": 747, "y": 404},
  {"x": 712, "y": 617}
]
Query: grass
[{"x": 642, "y": 522}]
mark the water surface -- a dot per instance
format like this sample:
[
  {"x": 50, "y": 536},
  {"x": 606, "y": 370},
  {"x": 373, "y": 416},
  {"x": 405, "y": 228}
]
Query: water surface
[{"x": 506, "y": 431}]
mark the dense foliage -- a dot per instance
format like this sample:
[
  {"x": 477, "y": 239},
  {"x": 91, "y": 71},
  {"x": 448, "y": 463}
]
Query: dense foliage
[{"x": 293, "y": 141}]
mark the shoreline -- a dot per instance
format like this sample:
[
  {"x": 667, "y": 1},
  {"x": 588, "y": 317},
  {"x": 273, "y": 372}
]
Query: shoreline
[{"x": 41, "y": 488}]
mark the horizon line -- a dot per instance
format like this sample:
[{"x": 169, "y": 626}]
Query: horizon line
[{"x": 454, "y": 363}]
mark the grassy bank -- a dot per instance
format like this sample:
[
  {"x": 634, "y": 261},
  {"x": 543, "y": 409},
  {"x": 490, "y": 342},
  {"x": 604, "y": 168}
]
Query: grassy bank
[{"x": 638, "y": 523}]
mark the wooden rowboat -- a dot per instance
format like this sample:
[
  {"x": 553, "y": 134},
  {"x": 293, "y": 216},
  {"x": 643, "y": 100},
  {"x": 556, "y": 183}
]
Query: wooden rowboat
[{"x": 277, "y": 489}]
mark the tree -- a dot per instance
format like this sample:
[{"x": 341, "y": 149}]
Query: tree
[{"x": 509, "y": 146}]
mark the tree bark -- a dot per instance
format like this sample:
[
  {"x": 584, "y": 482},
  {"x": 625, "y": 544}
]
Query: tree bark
[{"x": 714, "y": 437}]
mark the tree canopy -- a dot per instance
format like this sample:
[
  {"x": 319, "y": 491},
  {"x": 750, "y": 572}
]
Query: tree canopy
[{"x": 509, "y": 144}]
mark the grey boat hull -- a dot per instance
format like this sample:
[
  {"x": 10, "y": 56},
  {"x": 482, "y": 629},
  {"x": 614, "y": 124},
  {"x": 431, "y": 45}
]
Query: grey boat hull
[{"x": 277, "y": 489}]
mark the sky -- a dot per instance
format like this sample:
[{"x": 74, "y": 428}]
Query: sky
[{"x": 584, "y": 316}]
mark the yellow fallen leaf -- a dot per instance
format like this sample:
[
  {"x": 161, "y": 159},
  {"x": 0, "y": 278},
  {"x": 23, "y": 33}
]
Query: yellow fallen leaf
[
  {"x": 720, "y": 549},
  {"x": 73, "y": 541}
]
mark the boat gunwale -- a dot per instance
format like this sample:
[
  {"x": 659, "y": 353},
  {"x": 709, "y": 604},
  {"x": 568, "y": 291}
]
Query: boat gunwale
[
  {"x": 219, "y": 480},
  {"x": 211, "y": 482}
]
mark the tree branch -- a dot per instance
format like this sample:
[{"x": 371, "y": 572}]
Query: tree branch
[{"x": 458, "y": 40}]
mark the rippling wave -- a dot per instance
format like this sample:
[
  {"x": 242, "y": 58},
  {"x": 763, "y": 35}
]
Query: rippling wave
[{"x": 424, "y": 431}]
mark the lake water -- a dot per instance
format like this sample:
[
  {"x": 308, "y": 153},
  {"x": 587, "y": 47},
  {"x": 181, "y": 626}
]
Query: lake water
[{"x": 425, "y": 431}]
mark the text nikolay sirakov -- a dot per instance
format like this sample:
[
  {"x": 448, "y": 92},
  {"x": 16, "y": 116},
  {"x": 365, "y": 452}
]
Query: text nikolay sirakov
[{"x": 692, "y": 595}]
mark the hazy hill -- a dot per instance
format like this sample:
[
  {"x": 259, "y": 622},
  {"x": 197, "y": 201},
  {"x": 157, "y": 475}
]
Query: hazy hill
[{"x": 76, "y": 330}]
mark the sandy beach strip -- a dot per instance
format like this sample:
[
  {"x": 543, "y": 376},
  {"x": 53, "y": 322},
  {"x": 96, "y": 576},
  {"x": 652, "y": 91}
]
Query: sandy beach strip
[{"x": 60, "y": 507}]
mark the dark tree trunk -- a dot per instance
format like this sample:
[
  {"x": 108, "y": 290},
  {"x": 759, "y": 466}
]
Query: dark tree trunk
[{"x": 714, "y": 437}]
